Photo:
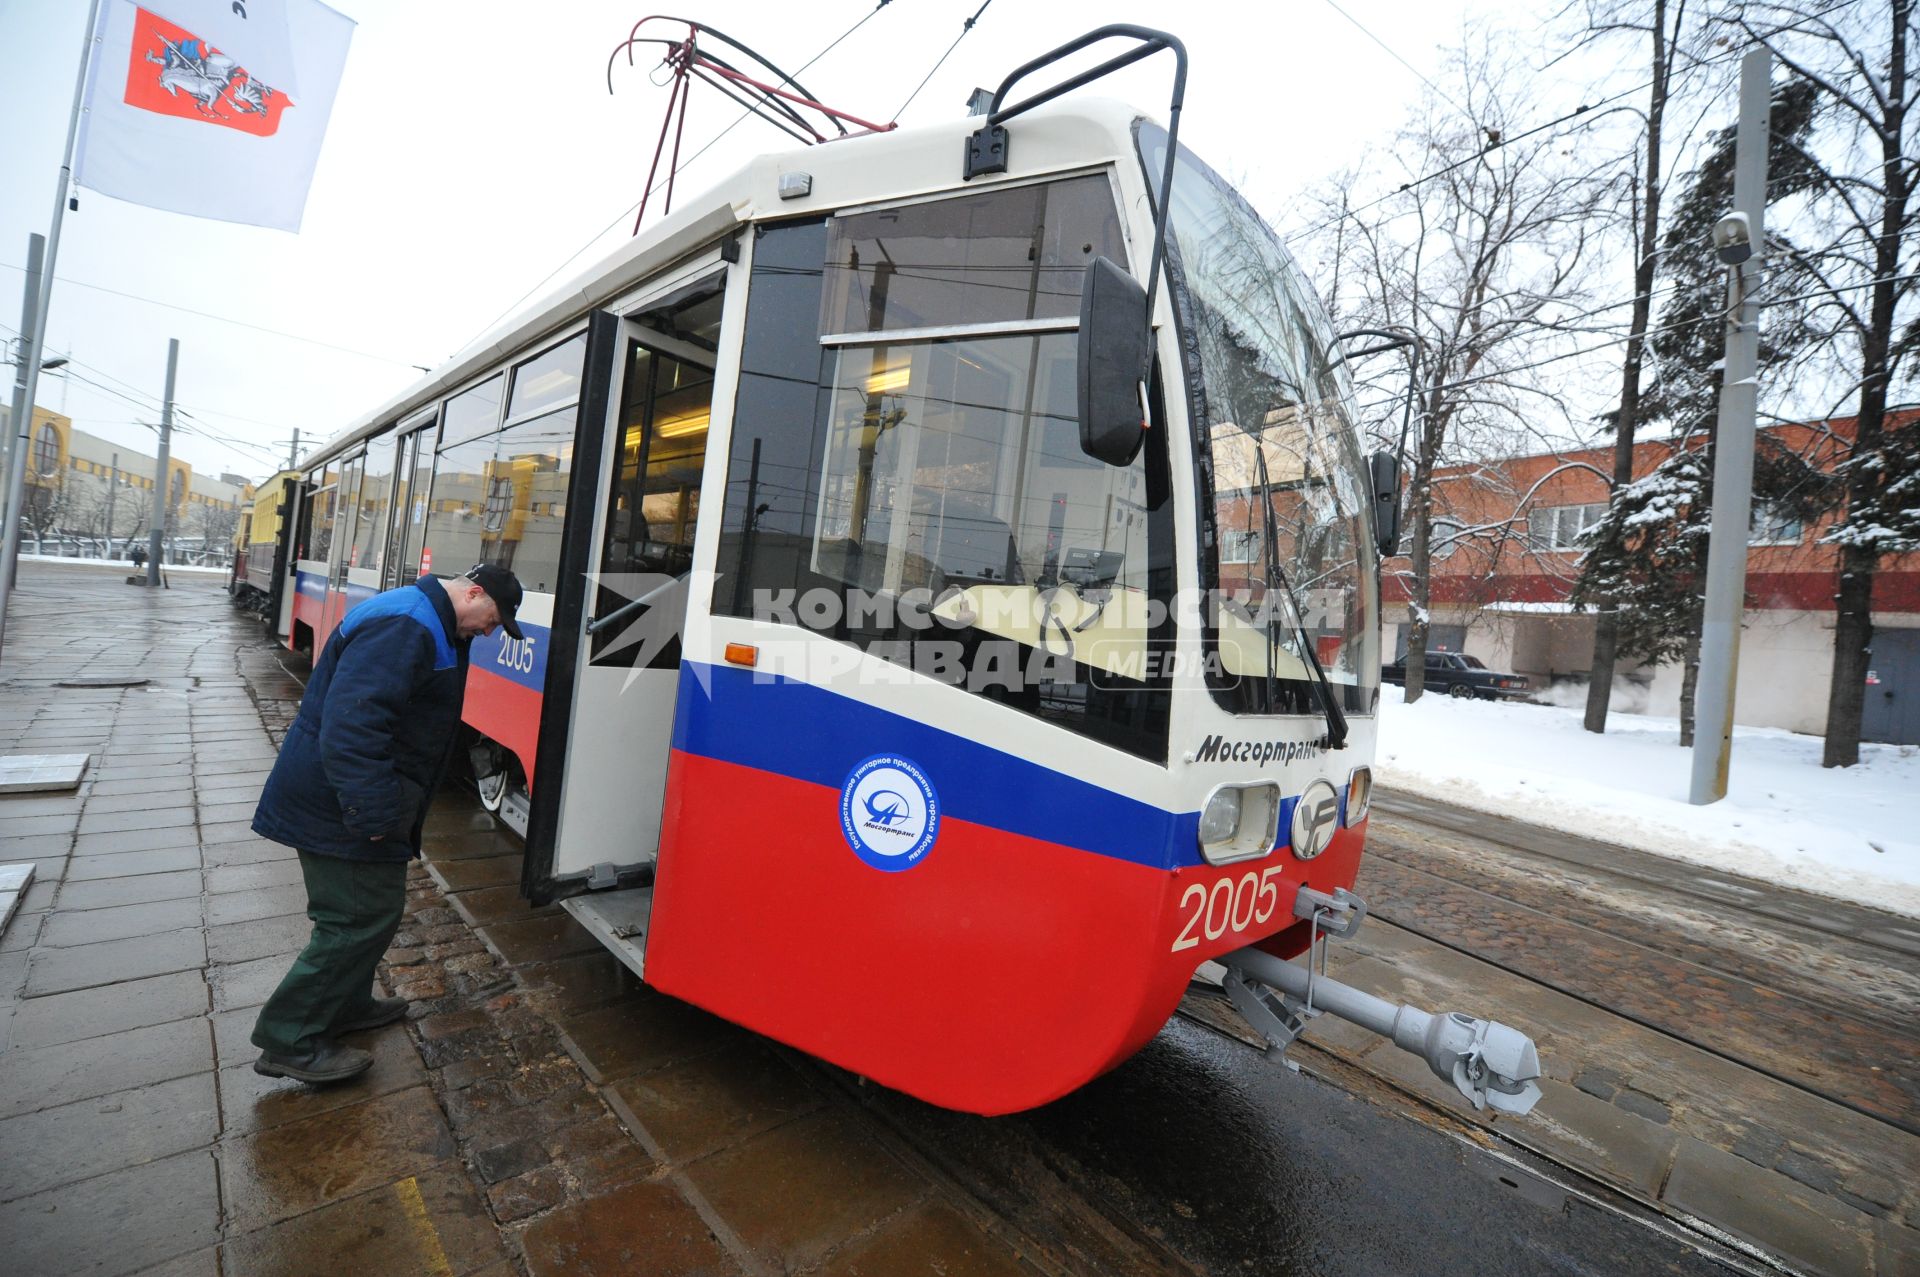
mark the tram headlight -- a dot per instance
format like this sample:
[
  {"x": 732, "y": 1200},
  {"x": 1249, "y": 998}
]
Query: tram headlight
[
  {"x": 1239, "y": 822},
  {"x": 1359, "y": 795}
]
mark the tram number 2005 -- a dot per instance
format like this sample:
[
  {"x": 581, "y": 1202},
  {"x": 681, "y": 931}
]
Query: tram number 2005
[
  {"x": 515, "y": 654},
  {"x": 1229, "y": 904}
]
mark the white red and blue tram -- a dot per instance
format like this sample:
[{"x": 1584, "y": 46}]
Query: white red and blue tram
[{"x": 887, "y": 688}]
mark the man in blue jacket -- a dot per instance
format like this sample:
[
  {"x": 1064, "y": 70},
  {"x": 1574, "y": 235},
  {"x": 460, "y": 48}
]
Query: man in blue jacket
[{"x": 350, "y": 792}]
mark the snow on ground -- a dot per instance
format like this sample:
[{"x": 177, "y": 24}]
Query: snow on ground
[
  {"x": 1852, "y": 833},
  {"x": 123, "y": 565}
]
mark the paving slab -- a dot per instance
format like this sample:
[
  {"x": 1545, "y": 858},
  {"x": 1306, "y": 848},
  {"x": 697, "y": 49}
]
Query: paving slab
[
  {"x": 799, "y": 1190},
  {"x": 111, "y": 961},
  {"x": 90, "y": 1137},
  {"x": 287, "y": 1170},
  {"x": 142, "y": 889},
  {"x": 245, "y": 906},
  {"x": 538, "y": 939},
  {"x": 135, "y": 840},
  {"x": 122, "y": 1222},
  {"x": 933, "y": 1240},
  {"x": 1784, "y": 1218},
  {"x": 127, "y": 864},
  {"x": 641, "y": 1228},
  {"x": 41, "y": 1077},
  {"x": 691, "y": 1108},
  {"x": 430, "y": 1225},
  {"x": 278, "y": 872},
  {"x": 251, "y": 1102},
  {"x": 642, "y": 1032},
  {"x": 247, "y": 984},
  {"x": 119, "y": 922},
  {"x": 281, "y": 936},
  {"x": 113, "y": 822},
  {"x": 110, "y": 1008},
  {"x": 34, "y": 773}
]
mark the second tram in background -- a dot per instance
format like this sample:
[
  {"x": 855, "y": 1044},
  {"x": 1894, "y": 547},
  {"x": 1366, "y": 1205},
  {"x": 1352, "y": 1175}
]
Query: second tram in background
[{"x": 932, "y": 657}]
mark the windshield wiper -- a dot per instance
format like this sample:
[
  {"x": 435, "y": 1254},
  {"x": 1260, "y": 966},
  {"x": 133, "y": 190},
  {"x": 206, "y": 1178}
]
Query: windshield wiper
[{"x": 1329, "y": 706}]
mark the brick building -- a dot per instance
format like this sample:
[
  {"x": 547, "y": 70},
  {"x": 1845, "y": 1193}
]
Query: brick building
[{"x": 1506, "y": 557}]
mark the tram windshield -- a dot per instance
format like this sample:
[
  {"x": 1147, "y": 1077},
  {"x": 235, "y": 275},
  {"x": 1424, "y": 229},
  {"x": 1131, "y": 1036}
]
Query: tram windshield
[{"x": 1291, "y": 556}]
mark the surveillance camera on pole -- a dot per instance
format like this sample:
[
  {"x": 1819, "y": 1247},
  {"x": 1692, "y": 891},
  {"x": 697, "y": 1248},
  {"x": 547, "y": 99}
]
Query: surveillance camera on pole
[{"x": 1733, "y": 239}]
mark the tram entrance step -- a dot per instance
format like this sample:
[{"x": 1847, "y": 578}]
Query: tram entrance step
[{"x": 618, "y": 919}]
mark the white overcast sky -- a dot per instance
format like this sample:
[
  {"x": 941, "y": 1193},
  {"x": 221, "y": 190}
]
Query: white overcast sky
[{"x": 474, "y": 148}]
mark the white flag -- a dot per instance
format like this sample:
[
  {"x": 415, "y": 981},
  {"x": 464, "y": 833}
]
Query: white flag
[{"x": 175, "y": 122}]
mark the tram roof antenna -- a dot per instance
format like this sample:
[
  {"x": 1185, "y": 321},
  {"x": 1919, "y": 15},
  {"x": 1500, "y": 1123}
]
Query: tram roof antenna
[{"x": 770, "y": 101}]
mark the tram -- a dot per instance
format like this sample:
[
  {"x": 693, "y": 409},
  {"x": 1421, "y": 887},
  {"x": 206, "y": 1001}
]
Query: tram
[
  {"x": 952, "y": 612},
  {"x": 259, "y": 574}
]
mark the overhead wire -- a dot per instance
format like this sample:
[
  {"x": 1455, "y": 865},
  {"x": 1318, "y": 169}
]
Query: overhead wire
[
  {"x": 1583, "y": 112},
  {"x": 223, "y": 319},
  {"x": 681, "y": 167},
  {"x": 965, "y": 27}
]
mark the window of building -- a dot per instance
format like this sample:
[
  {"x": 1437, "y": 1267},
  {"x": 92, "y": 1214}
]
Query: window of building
[
  {"x": 1771, "y": 524},
  {"x": 1558, "y": 528},
  {"x": 1239, "y": 545},
  {"x": 46, "y": 451}
]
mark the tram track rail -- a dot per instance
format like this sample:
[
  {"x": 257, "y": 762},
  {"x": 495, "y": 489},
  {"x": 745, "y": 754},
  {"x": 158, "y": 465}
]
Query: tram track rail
[{"x": 1751, "y": 1010}]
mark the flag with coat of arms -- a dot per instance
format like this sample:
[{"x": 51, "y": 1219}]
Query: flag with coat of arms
[{"x": 213, "y": 108}]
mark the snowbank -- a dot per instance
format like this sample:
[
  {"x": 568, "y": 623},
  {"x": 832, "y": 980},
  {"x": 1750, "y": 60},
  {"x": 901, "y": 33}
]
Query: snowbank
[{"x": 1851, "y": 833}]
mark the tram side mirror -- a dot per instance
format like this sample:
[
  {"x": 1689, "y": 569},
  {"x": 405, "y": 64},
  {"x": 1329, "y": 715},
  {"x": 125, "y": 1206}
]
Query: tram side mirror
[
  {"x": 1384, "y": 470},
  {"x": 1112, "y": 362}
]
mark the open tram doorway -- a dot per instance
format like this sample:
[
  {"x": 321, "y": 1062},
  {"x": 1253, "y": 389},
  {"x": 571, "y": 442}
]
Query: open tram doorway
[{"x": 625, "y": 667}]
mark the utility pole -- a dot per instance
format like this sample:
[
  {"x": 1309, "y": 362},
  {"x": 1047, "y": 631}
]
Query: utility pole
[
  {"x": 20, "y": 425},
  {"x": 293, "y": 458},
  {"x": 161, "y": 489},
  {"x": 113, "y": 481},
  {"x": 1740, "y": 240}
]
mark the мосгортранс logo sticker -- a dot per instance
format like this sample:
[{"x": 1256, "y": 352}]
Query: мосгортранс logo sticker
[{"x": 889, "y": 813}]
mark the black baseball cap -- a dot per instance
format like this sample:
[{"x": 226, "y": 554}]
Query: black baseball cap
[{"x": 503, "y": 587}]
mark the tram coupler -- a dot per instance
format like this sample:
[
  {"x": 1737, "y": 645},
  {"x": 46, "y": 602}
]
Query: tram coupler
[{"x": 1492, "y": 1064}]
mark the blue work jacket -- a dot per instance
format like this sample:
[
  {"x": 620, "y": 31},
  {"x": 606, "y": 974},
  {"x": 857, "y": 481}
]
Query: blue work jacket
[{"x": 375, "y": 729}]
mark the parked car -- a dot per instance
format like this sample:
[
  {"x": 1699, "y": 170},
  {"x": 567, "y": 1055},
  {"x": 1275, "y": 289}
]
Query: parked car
[{"x": 1458, "y": 674}]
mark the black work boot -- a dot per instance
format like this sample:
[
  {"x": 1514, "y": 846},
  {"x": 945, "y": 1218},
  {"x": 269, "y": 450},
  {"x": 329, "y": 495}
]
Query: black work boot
[
  {"x": 326, "y": 1062},
  {"x": 378, "y": 1012}
]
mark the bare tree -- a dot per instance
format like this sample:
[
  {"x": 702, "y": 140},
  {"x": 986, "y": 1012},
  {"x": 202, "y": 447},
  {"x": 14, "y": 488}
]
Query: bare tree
[
  {"x": 44, "y": 507},
  {"x": 1662, "y": 27},
  {"x": 1861, "y": 61},
  {"x": 1479, "y": 256}
]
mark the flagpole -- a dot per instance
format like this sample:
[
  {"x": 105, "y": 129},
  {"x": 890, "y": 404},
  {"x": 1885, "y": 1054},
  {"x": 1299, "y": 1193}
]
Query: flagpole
[{"x": 36, "y": 345}]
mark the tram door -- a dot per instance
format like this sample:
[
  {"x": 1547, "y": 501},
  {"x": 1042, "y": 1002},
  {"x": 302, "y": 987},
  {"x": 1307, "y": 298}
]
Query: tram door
[
  {"x": 340, "y": 558},
  {"x": 627, "y": 665}
]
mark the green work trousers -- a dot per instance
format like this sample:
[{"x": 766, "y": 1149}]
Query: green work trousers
[{"x": 356, "y": 906}]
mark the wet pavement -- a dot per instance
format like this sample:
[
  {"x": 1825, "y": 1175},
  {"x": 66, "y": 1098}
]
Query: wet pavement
[{"x": 541, "y": 1111}]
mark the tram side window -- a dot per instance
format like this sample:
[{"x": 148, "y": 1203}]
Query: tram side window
[
  {"x": 376, "y": 491},
  {"x": 526, "y": 499},
  {"x": 473, "y": 412},
  {"x": 657, "y": 491},
  {"x": 500, "y": 494},
  {"x": 319, "y": 526},
  {"x": 1011, "y": 254},
  {"x": 462, "y": 480}
]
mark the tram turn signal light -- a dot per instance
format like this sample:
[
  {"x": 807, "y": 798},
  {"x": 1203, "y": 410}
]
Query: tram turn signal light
[
  {"x": 1359, "y": 795},
  {"x": 743, "y": 654}
]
